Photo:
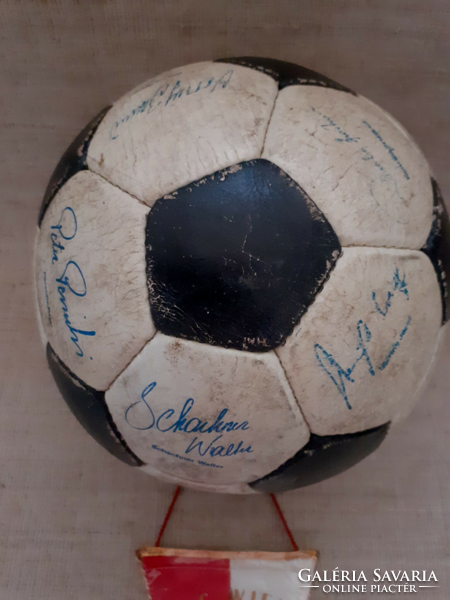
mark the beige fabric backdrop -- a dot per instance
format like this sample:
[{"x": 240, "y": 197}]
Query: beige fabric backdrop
[{"x": 71, "y": 516}]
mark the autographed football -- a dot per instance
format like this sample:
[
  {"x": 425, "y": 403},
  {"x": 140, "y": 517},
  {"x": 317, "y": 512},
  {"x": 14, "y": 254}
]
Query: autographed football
[{"x": 241, "y": 274}]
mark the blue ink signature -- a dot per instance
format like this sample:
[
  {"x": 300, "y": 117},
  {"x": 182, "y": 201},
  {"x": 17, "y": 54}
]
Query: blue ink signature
[
  {"x": 72, "y": 279},
  {"x": 389, "y": 149},
  {"x": 61, "y": 231},
  {"x": 166, "y": 94},
  {"x": 338, "y": 375},
  {"x": 384, "y": 176},
  {"x": 334, "y": 370},
  {"x": 399, "y": 286},
  {"x": 395, "y": 345},
  {"x": 170, "y": 421},
  {"x": 345, "y": 137}
]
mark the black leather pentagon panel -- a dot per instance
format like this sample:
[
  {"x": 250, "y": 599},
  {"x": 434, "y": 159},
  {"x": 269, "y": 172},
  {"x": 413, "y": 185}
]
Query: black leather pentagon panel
[
  {"x": 236, "y": 258},
  {"x": 90, "y": 409},
  {"x": 321, "y": 458},
  {"x": 72, "y": 161},
  {"x": 437, "y": 248},
  {"x": 286, "y": 73}
]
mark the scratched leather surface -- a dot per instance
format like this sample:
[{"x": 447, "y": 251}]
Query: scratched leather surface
[{"x": 69, "y": 511}]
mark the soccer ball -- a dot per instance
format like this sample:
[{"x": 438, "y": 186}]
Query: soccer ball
[{"x": 241, "y": 274}]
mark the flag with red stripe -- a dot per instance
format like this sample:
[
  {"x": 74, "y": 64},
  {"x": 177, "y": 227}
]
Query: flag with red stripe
[{"x": 206, "y": 575}]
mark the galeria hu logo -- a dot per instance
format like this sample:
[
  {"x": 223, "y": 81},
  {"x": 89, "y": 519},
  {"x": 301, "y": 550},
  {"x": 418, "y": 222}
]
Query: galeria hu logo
[{"x": 386, "y": 582}]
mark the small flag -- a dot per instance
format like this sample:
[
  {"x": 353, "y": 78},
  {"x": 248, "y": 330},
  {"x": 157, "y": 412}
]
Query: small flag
[{"x": 208, "y": 575}]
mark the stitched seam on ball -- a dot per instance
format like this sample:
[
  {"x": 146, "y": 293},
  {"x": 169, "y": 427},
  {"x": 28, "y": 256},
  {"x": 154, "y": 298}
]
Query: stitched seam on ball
[
  {"x": 244, "y": 63},
  {"x": 83, "y": 149},
  {"x": 131, "y": 360},
  {"x": 193, "y": 180},
  {"x": 431, "y": 367},
  {"x": 115, "y": 184},
  {"x": 198, "y": 484},
  {"x": 268, "y": 123},
  {"x": 227, "y": 166},
  {"x": 119, "y": 436},
  {"x": 102, "y": 400},
  {"x": 421, "y": 249},
  {"x": 293, "y": 394}
]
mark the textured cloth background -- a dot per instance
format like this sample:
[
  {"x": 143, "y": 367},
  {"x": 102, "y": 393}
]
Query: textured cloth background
[{"x": 71, "y": 516}]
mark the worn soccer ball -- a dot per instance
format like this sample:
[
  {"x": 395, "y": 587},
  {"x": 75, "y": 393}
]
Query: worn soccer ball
[{"x": 241, "y": 275}]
